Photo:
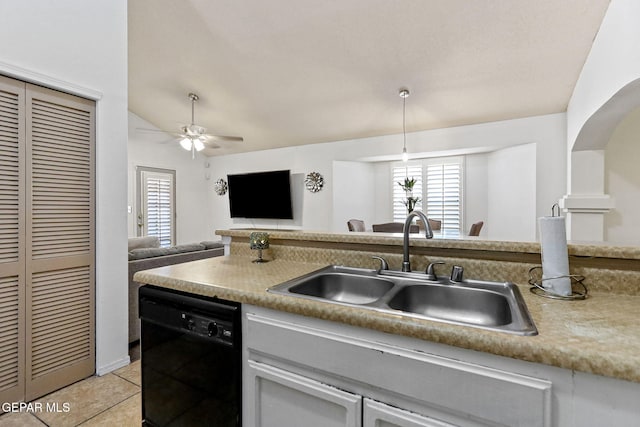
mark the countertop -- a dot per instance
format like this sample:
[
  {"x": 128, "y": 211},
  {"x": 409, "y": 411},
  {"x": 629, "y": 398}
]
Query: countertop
[
  {"x": 577, "y": 249},
  {"x": 598, "y": 335}
]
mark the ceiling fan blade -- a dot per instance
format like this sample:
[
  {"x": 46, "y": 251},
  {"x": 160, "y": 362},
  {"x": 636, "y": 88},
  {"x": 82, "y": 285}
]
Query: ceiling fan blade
[
  {"x": 157, "y": 131},
  {"x": 209, "y": 144},
  {"x": 225, "y": 138}
]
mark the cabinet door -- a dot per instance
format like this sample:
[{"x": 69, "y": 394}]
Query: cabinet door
[
  {"x": 275, "y": 397},
  {"x": 378, "y": 414}
]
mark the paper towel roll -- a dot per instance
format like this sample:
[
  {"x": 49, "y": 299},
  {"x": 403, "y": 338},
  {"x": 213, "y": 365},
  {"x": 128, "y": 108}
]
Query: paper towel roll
[{"x": 555, "y": 257}]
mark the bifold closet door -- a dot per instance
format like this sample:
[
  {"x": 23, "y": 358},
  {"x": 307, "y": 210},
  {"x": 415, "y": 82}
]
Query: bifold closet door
[
  {"x": 60, "y": 258},
  {"x": 12, "y": 262}
]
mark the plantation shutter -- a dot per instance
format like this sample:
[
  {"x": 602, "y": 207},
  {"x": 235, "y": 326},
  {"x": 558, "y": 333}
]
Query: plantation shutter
[
  {"x": 399, "y": 173},
  {"x": 158, "y": 204},
  {"x": 443, "y": 194},
  {"x": 60, "y": 240},
  {"x": 12, "y": 263}
]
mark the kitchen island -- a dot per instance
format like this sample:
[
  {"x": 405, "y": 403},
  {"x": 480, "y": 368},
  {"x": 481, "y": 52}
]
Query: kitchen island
[{"x": 590, "y": 346}]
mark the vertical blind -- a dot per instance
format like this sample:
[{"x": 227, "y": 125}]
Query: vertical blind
[
  {"x": 399, "y": 196},
  {"x": 443, "y": 194},
  {"x": 158, "y": 205}
]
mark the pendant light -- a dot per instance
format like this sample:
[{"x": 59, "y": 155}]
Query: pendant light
[{"x": 404, "y": 93}]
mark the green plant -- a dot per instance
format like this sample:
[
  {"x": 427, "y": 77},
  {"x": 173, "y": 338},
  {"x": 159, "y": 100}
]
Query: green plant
[{"x": 408, "y": 184}]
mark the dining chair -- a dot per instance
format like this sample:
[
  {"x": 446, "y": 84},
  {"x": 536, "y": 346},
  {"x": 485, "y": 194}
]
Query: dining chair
[
  {"x": 355, "y": 225},
  {"x": 475, "y": 228}
]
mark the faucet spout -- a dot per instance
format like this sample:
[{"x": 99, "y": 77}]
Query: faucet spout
[{"x": 428, "y": 234}]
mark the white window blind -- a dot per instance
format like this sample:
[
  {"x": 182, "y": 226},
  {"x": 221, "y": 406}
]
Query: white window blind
[
  {"x": 156, "y": 213},
  {"x": 399, "y": 174},
  {"x": 444, "y": 194}
]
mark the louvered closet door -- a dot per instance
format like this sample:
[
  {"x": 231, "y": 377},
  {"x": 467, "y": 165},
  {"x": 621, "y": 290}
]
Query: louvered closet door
[
  {"x": 12, "y": 276},
  {"x": 60, "y": 240}
]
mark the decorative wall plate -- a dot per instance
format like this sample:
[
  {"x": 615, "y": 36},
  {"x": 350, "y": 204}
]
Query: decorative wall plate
[
  {"x": 220, "y": 187},
  {"x": 314, "y": 182}
]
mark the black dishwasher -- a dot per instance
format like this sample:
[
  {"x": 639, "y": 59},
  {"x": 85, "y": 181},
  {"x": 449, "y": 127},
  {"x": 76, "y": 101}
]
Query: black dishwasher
[{"x": 191, "y": 359}]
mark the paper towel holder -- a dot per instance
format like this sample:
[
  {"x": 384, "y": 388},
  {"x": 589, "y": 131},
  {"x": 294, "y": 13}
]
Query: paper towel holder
[{"x": 536, "y": 280}]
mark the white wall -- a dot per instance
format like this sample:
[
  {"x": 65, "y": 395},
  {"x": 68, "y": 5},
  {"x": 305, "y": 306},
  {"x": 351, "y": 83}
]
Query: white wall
[
  {"x": 193, "y": 189},
  {"x": 383, "y": 200},
  {"x": 81, "y": 47},
  {"x": 511, "y": 208},
  {"x": 355, "y": 196},
  {"x": 612, "y": 64},
  {"x": 476, "y": 193},
  {"x": 622, "y": 181},
  {"x": 547, "y": 132},
  {"x": 312, "y": 211}
]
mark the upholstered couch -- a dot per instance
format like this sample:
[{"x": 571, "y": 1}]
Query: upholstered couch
[{"x": 145, "y": 253}]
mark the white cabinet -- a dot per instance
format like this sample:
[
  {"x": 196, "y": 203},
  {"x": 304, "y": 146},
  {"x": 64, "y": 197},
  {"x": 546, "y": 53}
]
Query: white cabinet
[
  {"x": 315, "y": 369},
  {"x": 276, "y": 397},
  {"x": 448, "y": 390},
  {"x": 376, "y": 414},
  {"x": 280, "y": 398}
]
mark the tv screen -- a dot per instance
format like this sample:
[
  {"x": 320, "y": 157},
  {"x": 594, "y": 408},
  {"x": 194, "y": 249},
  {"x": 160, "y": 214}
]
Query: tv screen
[{"x": 264, "y": 195}]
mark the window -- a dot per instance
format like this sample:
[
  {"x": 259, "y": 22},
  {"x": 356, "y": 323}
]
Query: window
[
  {"x": 443, "y": 192},
  {"x": 156, "y": 204},
  {"x": 439, "y": 187},
  {"x": 411, "y": 170}
]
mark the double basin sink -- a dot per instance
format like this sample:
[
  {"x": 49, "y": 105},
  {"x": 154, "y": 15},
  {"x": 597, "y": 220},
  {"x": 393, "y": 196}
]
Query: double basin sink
[{"x": 495, "y": 306}]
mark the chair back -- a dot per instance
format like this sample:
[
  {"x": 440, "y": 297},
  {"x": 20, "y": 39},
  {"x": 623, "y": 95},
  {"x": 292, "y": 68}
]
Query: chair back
[
  {"x": 394, "y": 227},
  {"x": 435, "y": 224},
  {"x": 355, "y": 225},
  {"x": 475, "y": 228}
]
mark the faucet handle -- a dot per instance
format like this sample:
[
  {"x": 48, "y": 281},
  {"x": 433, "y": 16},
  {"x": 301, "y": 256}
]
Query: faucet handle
[
  {"x": 456, "y": 273},
  {"x": 430, "y": 272},
  {"x": 384, "y": 265}
]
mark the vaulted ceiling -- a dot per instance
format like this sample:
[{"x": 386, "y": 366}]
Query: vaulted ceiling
[{"x": 289, "y": 72}]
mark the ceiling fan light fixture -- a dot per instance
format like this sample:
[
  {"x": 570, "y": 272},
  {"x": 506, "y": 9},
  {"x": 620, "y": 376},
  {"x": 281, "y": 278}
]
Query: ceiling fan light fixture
[
  {"x": 185, "y": 143},
  {"x": 199, "y": 146}
]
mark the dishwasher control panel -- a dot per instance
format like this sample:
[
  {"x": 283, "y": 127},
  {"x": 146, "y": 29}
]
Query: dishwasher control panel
[{"x": 207, "y": 327}]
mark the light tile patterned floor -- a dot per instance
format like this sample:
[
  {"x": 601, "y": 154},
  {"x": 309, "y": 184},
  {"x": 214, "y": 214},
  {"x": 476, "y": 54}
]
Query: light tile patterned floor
[{"x": 110, "y": 400}]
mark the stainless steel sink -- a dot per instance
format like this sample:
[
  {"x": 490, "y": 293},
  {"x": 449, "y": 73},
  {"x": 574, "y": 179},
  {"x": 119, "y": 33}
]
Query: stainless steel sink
[
  {"x": 466, "y": 305},
  {"x": 343, "y": 287},
  {"x": 488, "y": 305}
]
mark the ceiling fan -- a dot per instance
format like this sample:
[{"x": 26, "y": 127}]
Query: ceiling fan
[{"x": 194, "y": 138}]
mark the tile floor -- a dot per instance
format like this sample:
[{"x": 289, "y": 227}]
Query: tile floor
[{"x": 110, "y": 400}]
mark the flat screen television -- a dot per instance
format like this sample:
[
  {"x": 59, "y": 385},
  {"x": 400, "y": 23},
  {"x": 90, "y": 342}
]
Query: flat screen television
[{"x": 264, "y": 195}]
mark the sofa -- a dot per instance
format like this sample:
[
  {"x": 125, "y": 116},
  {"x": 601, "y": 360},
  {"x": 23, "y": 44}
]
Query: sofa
[{"x": 145, "y": 253}]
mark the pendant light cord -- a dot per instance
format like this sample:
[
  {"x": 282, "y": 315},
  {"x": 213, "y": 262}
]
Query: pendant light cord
[{"x": 404, "y": 131}]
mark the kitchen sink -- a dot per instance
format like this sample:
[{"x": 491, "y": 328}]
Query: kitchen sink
[
  {"x": 343, "y": 287},
  {"x": 495, "y": 306},
  {"x": 466, "y": 305}
]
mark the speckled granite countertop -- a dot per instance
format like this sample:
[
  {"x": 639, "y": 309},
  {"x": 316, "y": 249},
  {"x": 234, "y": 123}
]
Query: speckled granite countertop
[
  {"x": 599, "y": 335},
  {"x": 580, "y": 249}
]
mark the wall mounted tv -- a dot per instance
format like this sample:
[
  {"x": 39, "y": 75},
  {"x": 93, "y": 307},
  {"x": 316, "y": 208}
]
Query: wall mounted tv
[{"x": 264, "y": 195}]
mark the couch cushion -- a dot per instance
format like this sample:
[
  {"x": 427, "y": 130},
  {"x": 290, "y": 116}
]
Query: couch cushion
[
  {"x": 210, "y": 244},
  {"x": 189, "y": 247},
  {"x": 143, "y": 242},
  {"x": 142, "y": 253}
]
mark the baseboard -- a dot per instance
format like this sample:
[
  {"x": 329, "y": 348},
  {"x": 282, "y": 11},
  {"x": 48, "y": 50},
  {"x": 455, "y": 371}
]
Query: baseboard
[{"x": 120, "y": 363}]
